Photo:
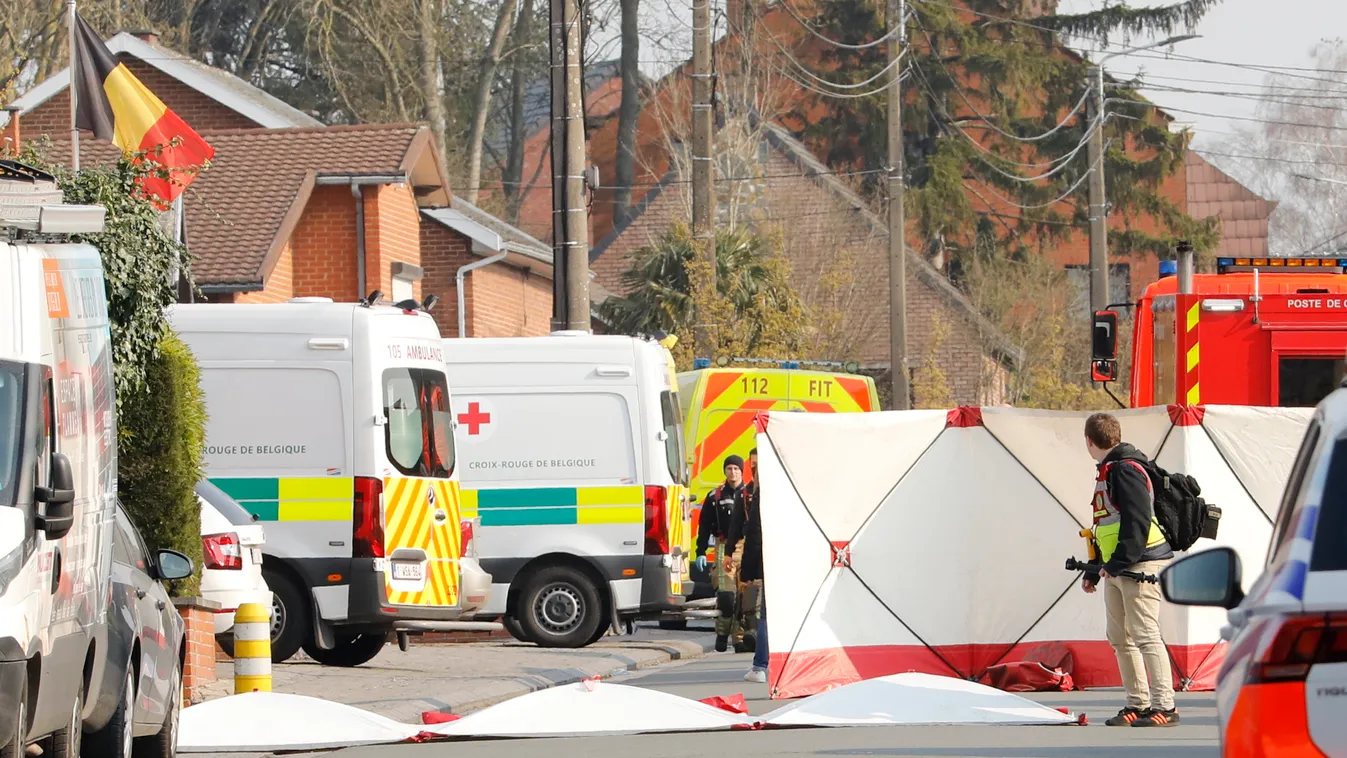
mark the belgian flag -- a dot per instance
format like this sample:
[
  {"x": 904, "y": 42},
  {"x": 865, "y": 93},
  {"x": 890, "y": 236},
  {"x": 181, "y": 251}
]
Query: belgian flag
[{"x": 114, "y": 105}]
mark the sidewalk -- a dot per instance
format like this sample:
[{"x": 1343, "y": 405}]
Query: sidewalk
[{"x": 459, "y": 678}]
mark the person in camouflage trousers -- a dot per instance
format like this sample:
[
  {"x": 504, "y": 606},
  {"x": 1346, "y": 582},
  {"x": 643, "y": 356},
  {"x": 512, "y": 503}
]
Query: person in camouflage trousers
[{"x": 712, "y": 530}]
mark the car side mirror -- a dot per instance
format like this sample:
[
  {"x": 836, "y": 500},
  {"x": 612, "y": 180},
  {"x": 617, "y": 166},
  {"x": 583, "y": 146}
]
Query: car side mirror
[
  {"x": 58, "y": 515},
  {"x": 1210, "y": 578},
  {"x": 171, "y": 565}
]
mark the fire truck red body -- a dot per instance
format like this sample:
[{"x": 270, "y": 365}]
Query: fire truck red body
[{"x": 1261, "y": 331}]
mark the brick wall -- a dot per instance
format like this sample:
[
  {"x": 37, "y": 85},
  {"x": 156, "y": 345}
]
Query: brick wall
[
  {"x": 501, "y": 300},
  {"x": 392, "y": 234},
  {"x": 199, "y": 111},
  {"x": 510, "y": 302},
  {"x": 198, "y": 616},
  {"x": 280, "y": 285},
  {"x": 324, "y": 244},
  {"x": 839, "y": 264}
]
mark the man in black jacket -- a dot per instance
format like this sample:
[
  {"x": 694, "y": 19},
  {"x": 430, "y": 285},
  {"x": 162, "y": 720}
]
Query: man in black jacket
[
  {"x": 747, "y": 525},
  {"x": 717, "y": 513},
  {"x": 1130, "y": 540}
]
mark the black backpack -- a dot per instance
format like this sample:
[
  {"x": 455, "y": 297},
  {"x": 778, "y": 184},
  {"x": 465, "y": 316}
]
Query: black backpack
[{"x": 1183, "y": 515}]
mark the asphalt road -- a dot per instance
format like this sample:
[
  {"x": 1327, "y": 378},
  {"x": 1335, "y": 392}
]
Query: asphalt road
[{"x": 723, "y": 675}]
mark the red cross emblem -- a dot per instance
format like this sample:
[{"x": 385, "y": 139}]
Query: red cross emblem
[
  {"x": 841, "y": 554},
  {"x": 475, "y": 419}
]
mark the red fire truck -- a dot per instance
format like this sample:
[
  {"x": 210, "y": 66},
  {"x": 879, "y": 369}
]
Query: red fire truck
[{"x": 1259, "y": 331}]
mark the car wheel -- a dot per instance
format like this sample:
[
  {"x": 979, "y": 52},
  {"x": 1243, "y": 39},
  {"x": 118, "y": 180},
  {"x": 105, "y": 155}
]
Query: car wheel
[
  {"x": 349, "y": 651},
  {"x": 17, "y": 744},
  {"x": 289, "y": 616},
  {"x": 165, "y": 743},
  {"x": 65, "y": 742},
  {"x": 115, "y": 739},
  {"x": 561, "y": 608},
  {"x": 512, "y": 626}
]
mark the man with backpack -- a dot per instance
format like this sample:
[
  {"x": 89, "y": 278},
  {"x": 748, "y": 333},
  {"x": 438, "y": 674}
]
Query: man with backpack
[{"x": 1130, "y": 542}]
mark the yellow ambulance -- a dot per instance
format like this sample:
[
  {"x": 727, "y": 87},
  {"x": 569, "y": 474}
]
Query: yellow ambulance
[{"x": 720, "y": 403}]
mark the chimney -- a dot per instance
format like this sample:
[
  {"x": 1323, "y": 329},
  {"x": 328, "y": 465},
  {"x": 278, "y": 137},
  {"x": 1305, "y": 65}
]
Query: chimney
[
  {"x": 148, "y": 36},
  {"x": 10, "y": 143}
]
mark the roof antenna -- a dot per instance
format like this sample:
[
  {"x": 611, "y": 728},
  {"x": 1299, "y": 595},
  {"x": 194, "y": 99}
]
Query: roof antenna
[{"x": 372, "y": 298}]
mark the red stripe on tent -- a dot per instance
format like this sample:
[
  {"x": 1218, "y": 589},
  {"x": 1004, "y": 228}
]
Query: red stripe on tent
[
  {"x": 859, "y": 391},
  {"x": 760, "y": 422},
  {"x": 964, "y": 417},
  {"x": 1187, "y": 415},
  {"x": 801, "y": 673}
]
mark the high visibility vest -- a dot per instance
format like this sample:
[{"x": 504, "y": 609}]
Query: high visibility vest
[{"x": 1108, "y": 519}]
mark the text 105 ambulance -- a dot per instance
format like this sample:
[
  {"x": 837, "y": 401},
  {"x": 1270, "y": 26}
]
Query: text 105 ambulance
[
  {"x": 58, "y": 468},
  {"x": 571, "y": 455},
  {"x": 331, "y": 424}
]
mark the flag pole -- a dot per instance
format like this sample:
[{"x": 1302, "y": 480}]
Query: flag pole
[{"x": 74, "y": 105}]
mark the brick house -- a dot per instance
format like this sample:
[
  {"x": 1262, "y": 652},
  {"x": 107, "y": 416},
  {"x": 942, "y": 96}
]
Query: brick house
[
  {"x": 838, "y": 249},
  {"x": 292, "y": 208}
]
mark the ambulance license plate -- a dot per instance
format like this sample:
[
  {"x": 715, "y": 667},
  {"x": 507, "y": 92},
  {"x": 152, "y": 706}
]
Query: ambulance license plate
[{"x": 410, "y": 572}]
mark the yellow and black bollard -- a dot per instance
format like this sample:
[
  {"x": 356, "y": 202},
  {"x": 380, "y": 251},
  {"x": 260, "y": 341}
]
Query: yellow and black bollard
[{"x": 252, "y": 648}]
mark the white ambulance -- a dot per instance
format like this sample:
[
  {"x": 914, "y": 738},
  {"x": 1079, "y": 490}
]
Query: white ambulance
[
  {"x": 330, "y": 422},
  {"x": 571, "y": 455},
  {"x": 58, "y": 466}
]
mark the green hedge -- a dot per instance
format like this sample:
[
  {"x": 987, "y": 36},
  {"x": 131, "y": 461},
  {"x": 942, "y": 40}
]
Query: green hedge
[{"x": 161, "y": 455}]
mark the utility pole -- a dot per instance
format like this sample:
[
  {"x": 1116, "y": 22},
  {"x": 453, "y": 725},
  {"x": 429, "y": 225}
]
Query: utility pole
[
  {"x": 1098, "y": 205},
  {"x": 577, "y": 212},
  {"x": 557, "y": 48},
  {"x": 703, "y": 198},
  {"x": 570, "y": 217},
  {"x": 900, "y": 394}
]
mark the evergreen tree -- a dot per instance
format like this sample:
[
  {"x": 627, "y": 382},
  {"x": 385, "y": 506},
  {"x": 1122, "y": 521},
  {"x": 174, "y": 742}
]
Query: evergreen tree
[{"x": 995, "y": 113}]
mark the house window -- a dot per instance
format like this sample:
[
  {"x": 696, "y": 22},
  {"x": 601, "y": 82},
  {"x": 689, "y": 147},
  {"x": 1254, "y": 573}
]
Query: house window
[
  {"x": 1119, "y": 286},
  {"x": 405, "y": 276}
]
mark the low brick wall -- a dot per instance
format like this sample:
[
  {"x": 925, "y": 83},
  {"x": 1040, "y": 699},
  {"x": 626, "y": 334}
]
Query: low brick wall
[{"x": 198, "y": 615}]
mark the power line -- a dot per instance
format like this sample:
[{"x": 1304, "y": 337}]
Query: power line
[
  {"x": 1243, "y": 118},
  {"x": 1224, "y": 82},
  {"x": 808, "y": 27},
  {"x": 1269, "y": 158}
]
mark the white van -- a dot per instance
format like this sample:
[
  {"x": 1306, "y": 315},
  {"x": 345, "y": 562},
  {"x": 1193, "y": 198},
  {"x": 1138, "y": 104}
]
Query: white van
[
  {"x": 571, "y": 455},
  {"x": 58, "y": 467},
  {"x": 330, "y": 422}
]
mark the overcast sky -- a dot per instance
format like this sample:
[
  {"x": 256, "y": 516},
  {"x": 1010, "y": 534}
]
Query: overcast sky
[{"x": 1246, "y": 32}]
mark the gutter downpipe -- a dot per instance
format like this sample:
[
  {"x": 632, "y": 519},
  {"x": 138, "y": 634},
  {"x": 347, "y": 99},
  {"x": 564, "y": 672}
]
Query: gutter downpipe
[
  {"x": 360, "y": 272},
  {"x": 460, "y": 277}
]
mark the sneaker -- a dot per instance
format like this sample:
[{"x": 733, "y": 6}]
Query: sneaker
[
  {"x": 1157, "y": 717},
  {"x": 722, "y": 642},
  {"x": 1126, "y": 717},
  {"x": 756, "y": 675}
]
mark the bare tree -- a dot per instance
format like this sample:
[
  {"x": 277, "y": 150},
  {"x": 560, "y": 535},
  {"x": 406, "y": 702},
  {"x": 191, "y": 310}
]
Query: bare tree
[
  {"x": 486, "y": 77},
  {"x": 1300, "y": 157}
]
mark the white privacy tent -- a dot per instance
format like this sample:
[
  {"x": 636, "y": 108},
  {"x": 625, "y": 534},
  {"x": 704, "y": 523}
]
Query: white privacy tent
[{"x": 935, "y": 541}]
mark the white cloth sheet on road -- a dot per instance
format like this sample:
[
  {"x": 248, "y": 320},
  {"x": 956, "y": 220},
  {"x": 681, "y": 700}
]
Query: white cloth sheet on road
[
  {"x": 259, "y": 722},
  {"x": 914, "y": 699}
]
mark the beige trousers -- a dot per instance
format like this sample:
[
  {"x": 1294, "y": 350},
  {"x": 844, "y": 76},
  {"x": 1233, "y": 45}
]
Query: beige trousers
[{"x": 1132, "y": 610}]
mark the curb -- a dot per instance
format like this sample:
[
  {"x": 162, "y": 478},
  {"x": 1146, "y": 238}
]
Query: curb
[{"x": 684, "y": 650}]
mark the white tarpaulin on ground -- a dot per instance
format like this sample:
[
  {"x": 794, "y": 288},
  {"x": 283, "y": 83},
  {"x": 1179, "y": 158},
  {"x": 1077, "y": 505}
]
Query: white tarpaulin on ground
[
  {"x": 591, "y": 708},
  {"x": 261, "y": 722},
  {"x": 935, "y": 541},
  {"x": 914, "y": 699}
]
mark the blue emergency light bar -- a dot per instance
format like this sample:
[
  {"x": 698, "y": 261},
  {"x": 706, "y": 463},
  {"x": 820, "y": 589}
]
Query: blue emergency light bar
[
  {"x": 722, "y": 361},
  {"x": 1229, "y": 265}
]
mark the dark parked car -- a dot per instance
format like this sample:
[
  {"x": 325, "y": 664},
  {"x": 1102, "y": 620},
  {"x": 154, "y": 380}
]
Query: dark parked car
[{"x": 140, "y": 697}]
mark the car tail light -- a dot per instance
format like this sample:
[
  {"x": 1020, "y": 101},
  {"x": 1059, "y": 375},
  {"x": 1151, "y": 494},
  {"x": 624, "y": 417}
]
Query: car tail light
[
  {"x": 222, "y": 551},
  {"x": 656, "y": 520},
  {"x": 1302, "y": 641},
  {"x": 465, "y": 537},
  {"x": 367, "y": 526}
]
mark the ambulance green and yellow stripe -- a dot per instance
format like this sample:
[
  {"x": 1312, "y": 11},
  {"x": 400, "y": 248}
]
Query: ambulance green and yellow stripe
[
  {"x": 555, "y": 506},
  {"x": 324, "y": 498}
]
